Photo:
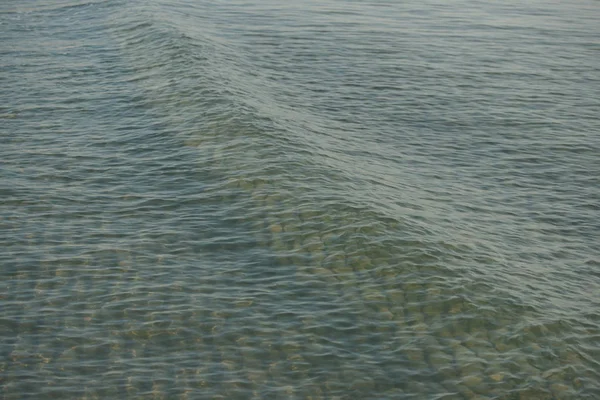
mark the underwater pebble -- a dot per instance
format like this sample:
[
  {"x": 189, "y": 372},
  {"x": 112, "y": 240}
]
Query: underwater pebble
[
  {"x": 276, "y": 228},
  {"x": 497, "y": 377},
  {"x": 472, "y": 380},
  {"x": 559, "y": 390}
]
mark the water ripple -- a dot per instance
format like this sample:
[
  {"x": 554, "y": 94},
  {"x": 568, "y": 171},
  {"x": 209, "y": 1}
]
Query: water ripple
[{"x": 266, "y": 200}]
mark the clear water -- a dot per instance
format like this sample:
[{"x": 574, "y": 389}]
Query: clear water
[{"x": 300, "y": 200}]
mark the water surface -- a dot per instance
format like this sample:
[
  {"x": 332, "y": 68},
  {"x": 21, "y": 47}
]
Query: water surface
[{"x": 323, "y": 200}]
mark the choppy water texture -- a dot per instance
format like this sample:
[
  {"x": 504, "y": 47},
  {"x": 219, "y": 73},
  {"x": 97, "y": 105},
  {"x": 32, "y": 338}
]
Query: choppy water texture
[{"x": 300, "y": 200}]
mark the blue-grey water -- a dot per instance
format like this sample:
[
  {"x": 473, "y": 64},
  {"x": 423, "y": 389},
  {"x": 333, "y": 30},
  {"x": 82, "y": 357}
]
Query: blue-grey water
[{"x": 328, "y": 199}]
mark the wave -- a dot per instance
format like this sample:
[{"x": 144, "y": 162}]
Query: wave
[{"x": 302, "y": 174}]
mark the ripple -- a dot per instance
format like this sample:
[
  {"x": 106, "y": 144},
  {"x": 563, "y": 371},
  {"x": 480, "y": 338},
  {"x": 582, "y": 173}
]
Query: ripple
[{"x": 265, "y": 201}]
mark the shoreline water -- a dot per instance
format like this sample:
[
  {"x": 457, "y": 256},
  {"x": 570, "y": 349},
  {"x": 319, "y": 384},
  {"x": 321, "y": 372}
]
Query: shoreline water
[{"x": 331, "y": 200}]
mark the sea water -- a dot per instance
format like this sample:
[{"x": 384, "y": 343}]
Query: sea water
[{"x": 328, "y": 199}]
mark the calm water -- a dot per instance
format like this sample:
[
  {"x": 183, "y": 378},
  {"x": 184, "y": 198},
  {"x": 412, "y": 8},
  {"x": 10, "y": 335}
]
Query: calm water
[{"x": 300, "y": 200}]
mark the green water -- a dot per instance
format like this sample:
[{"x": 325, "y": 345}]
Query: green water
[{"x": 325, "y": 200}]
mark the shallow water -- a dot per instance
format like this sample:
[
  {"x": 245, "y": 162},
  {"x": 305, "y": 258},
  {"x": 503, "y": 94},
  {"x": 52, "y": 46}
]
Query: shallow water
[{"x": 325, "y": 200}]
